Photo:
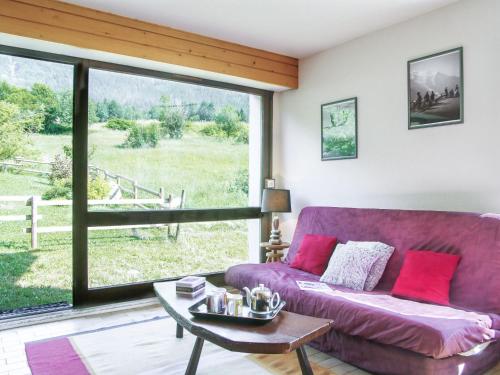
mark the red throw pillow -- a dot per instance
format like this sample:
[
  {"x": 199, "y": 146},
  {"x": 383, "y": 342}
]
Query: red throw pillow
[
  {"x": 314, "y": 253},
  {"x": 426, "y": 276}
]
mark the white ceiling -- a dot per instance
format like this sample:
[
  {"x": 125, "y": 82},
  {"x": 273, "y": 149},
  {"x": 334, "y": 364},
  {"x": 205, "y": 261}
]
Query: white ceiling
[{"x": 297, "y": 28}]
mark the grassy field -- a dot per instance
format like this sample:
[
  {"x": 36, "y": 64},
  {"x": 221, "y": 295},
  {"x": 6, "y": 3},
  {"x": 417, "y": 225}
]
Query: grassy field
[{"x": 206, "y": 168}]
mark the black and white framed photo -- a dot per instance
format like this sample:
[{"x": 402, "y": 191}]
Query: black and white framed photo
[
  {"x": 436, "y": 90},
  {"x": 339, "y": 130}
]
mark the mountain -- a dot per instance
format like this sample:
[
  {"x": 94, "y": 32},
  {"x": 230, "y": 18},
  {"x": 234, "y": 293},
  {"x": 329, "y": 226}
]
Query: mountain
[
  {"x": 431, "y": 81},
  {"x": 126, "y": 89}
]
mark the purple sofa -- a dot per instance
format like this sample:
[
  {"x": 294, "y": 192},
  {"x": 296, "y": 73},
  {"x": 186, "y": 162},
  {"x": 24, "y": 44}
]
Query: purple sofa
[{"x": 387, "y": 335}]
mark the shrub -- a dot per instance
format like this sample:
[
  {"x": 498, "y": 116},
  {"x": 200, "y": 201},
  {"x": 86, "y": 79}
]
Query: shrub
[
  {"x": 241, "y": 135},
  {"x": 240, "y": 182},
  {"x": 59, "y": 189},
  {"x": 212, "y": 130},
  {"x": 143, "y": 136},
  {"x": 98, "y": 188},
  {"x": 61, "y": 168},
  {"x": 172, "y": 123},
  {"x": 228, "y": 120},
  {"x": 120, "y": 124}
]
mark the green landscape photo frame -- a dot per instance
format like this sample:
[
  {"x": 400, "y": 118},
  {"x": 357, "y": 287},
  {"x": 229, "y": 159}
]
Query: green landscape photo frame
[
  {"x": 439, "y": 73},
  {"x": 339, "y": 129}
]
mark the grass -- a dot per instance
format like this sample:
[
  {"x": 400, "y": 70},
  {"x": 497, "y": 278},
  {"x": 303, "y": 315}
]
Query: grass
[{"x": 204, "y": 167}]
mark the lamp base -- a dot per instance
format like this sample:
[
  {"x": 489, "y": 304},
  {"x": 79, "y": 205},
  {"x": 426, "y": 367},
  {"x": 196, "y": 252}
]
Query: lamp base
[{"x": 275, "y": 238}]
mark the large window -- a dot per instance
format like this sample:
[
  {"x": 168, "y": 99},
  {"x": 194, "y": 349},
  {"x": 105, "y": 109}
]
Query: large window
[
  {"x": 145, "y": 175},
  {"x": 156, "y": 144}
]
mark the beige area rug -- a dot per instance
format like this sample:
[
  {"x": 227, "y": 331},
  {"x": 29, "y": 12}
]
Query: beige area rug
[{"x": 151, "y": 348}]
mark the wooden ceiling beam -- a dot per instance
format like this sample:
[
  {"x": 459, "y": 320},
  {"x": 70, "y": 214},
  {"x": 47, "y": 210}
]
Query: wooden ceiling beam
[{"x": 60, "y": 22}]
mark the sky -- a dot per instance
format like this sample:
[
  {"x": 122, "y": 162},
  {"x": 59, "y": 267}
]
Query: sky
[{"x": 448, "y": 64}]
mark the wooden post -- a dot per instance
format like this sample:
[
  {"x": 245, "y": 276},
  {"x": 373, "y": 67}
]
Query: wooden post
[
  {"x": 183, "y": 198},
  {"x": 34, "y": 221},
  {"x": 162, "y": 194},
  {"x": 118, "y": 180},
  {"x": 136, "y": 190}
]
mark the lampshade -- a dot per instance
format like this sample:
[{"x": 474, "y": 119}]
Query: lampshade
[{"x": 276, "y": 200}]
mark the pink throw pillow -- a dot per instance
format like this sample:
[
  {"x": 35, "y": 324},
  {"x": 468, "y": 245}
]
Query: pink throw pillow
[
  {"x": 314, "y": 253},
  {"x": 426, "y": 276}
]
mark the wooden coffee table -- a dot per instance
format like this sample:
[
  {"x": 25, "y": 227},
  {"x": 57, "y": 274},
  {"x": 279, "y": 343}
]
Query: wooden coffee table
[{"x": 285, "y": 333}]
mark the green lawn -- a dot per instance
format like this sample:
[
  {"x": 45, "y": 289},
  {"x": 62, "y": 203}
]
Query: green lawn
[{"x": 205, "y": 167}]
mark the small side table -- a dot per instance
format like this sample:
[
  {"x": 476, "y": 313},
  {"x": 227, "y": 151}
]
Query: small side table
[{"x": 274, "y": 253}]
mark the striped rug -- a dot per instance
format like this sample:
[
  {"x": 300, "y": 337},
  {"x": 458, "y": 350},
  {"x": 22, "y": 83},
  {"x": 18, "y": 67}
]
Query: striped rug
[{"x": 150, "y": 348}]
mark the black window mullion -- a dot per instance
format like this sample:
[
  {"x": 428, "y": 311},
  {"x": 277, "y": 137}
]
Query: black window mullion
[
  {"x": 112, "y": 218},
  {"x": 80, "y": 144}
]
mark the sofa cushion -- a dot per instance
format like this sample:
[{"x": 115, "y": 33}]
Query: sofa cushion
[
  {"x": 378, "y": 267},
  {"x": 349, "y": 267},
  {"x": 431, "y": 330},
  {"x": 426, "y": 276},
  {"x": 314, "y": 252}
]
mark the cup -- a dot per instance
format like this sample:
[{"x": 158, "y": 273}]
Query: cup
[
  {"x": 234, "y": 304},
  {"x": 223, "y": 297},
  {"x": 214, "y": 302}
]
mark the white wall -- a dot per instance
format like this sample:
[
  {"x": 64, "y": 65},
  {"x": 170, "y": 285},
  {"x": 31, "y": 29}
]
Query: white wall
[{"x": 454, "y": 167}]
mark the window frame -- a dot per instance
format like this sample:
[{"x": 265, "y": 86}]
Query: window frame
[{"x": 83, "y": 218}]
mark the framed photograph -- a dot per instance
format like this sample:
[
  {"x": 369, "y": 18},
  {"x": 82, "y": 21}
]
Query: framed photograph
[
  {"x": 339, "y": 130},
  {"x": 436, "y": 90}
]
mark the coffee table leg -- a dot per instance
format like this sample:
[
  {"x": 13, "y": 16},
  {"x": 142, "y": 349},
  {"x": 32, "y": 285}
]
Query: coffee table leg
[
  {"x": 195, "y": 357},
  {"x": 179, "y": 333},
  {"x": 305, "y": 366}
]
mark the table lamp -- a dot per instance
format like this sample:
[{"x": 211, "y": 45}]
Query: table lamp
[{"x": 275, "y": 200}]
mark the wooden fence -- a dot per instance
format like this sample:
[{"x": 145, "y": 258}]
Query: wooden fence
[
  {"x": 35, "y": 202},
  {"x": 126, "y": 184},
  {"x": 123, "y": 184}
]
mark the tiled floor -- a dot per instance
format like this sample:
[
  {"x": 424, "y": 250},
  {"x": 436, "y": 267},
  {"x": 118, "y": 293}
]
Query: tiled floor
[
  {"x": 12, "y": 355},
  {"x": 13, "y": 358}
]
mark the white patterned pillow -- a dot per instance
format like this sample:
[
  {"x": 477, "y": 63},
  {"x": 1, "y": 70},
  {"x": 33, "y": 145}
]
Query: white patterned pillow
[
  {"x": 377, "y": 270},
  {"x": 349, "y": 267}
]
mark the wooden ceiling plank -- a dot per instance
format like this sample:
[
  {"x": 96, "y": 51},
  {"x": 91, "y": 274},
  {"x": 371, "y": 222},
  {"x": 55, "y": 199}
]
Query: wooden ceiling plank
[
  {"x": 65, "y": 20},
  {"x": 165, "y": 30},
  {"x": 81, "y": 39}
]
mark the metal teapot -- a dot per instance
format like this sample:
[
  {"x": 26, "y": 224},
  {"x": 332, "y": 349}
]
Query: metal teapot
[{"x": 261, "y": 300}]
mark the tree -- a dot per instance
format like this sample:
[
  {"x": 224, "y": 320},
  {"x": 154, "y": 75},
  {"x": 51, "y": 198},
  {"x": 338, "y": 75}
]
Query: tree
[
  {"x": 65, "y": 110},
  {"x": 172, "y": 120},
  {"x": 206, "y": 111},
  {"x": 13, "y": 138},
  {"x": 242, "y": 115},
  {"x": 228, "y": 120},
  {"x": 155, "y": 112},
  {"x": 143, "y": 136},
  {"x": 114, "y": 109},
  {"x": 102, "y": 112},
  {"x": 46, "y": 99},
  {"x": 93, "y": 118},
  {"x": 5, "y": 90}
]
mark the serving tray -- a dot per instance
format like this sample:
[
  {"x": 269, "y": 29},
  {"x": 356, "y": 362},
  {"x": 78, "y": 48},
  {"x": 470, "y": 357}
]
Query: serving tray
[{"x": 199, "y": 310}]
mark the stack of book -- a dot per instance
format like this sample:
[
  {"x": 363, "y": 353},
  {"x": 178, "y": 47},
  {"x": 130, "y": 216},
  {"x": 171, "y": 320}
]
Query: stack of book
[{"x": 190, "y": 286}]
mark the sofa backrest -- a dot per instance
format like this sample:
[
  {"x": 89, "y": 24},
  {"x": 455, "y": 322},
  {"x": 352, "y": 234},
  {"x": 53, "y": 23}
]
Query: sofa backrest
[{"x": 475, "y": 237}]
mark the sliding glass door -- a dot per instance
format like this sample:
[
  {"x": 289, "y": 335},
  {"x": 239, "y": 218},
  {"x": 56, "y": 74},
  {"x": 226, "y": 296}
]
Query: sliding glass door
[
  {"x": 36, "y": 124},
  {"x": 148, "y": 176}
]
